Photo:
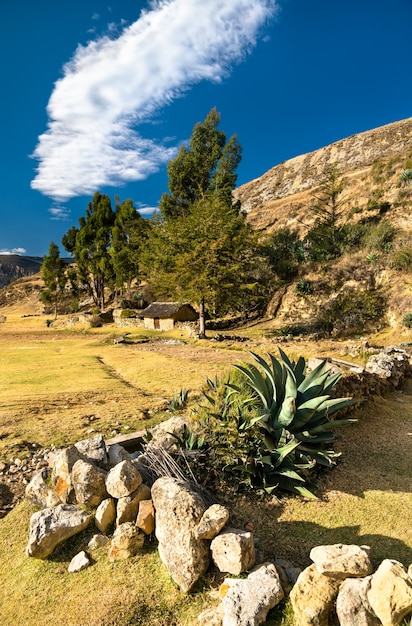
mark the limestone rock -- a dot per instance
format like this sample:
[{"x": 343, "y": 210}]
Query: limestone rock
[
  {"x": 61, "y": 475},
  {"x": 390, "y": 593},
  {"x": 89, "y": 483},
  {"x": 38, "y": 491},
  {"x": 233, "y": 551},
  {"x": 117, "y": 454},
  {"x": 93, "y": 450},
  {"x": 342, "y": 561},
  {"x": 212, "y": 522},
  {"x": 126, "y": 542},
  {"x": 352, "y": 606},
  {"x": 145, "y": 517},
  {"x": 128, "y": 506},
  {"x": 178, "y": 513},
  {"x": 79, "y": 562},
  {"x": 123, "y": 479},
  {"x": 212, "y": 616},
  {"x": 162, "y": 434},
  {"x": 313, "y": 596},
  {"x": 248, "y": 601},
  {"x": 97, "y": 541},
  {"x": 105, "y": 515},
  {"x": 52, "y": 526}
]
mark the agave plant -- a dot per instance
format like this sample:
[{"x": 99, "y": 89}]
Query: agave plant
[{"x": 290, "y": 413}]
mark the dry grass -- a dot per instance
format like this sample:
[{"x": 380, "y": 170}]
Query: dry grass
[{"x": 62, "y": 384}]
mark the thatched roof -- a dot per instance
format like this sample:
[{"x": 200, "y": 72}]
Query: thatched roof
[{"x": 164, "y": 310}]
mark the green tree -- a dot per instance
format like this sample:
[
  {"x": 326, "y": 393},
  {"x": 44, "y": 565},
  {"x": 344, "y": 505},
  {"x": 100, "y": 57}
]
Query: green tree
[
  {"x": 128, "y": 235},
  {"x": 328, "y": 209},
  {"x": 206, "y": 256},
  {"x": 90, "y": 245},
  {"x": 207, "y": 164},
  {"x": 53, "y": 272}
]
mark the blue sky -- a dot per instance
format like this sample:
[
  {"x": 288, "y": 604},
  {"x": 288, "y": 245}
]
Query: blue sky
[{"x": 98, "y": 95}]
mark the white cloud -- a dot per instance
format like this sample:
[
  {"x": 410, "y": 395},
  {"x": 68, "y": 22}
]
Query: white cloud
[
  {"x": 144, "y": 209},
  {"x": 13, "y": 251},
  {"x": 112, "y": 85},
  {"x": 59, "y": 212}
]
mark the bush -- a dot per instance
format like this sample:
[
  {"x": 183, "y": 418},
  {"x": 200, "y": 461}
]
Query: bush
[
  {"x": 126, "y": 313},
  {"x": 407, "y": 320},
  {"x": 304, "y": 287},
  {"x": 269, "y": 425},
  {"x": 380, "y": 237},
  {"x": 95, "y": 321},
  {"x": 402, "y": 259},
  {"x": 352, "y": 311}
]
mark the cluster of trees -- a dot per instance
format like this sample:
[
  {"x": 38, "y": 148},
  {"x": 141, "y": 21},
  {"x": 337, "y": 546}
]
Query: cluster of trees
[{"x": 199, "y": 247}]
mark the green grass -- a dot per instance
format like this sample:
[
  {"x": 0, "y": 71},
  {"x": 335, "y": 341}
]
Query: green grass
[{"x": 94, "y": 384}]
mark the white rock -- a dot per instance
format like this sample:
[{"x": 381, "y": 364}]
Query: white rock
[{"x": 79, "y": 562}]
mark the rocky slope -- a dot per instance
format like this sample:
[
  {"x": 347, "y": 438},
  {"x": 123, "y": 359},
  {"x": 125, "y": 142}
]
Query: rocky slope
[{"x": 370, "y": 162}]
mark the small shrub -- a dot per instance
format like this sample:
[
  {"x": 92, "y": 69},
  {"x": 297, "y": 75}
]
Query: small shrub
[
  {"x": 352, "y": 311},
  {"x": 293, "y": 329},
  {"x": 75, "y": 305},
  {"x": 95, "y": 321},
  {"x": 304, "y": 287},
  {"x": 179, "y": 401},
  {"x": 402, "y": 260},
  {"x": 380, "y": 236},
  {"x": 407, "y": 320},
  {"x": 126, "y": 313}
]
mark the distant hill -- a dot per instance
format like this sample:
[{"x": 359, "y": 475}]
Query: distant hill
[{"x": 14, "y": 266}]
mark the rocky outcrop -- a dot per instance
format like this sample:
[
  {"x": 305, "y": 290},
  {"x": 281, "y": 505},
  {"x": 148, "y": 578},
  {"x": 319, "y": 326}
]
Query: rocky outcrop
[{"x": 282, "y": 195}]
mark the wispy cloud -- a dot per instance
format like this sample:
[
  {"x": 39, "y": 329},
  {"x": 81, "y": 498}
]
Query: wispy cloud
[
  {"x": 59, "y": 212},
  {"x": 13, "y": 251},
  {"x": 113, "y": 85}
]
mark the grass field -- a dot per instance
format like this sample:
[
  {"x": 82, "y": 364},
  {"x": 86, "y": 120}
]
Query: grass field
[{"x": 59, "y": 386}]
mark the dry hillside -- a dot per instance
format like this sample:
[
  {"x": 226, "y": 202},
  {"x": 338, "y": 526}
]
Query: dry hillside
[{"x": 371, "y": 163}]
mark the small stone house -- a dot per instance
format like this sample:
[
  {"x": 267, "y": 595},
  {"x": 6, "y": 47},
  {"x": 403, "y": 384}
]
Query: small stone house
[{"x": 165, "y": 315}]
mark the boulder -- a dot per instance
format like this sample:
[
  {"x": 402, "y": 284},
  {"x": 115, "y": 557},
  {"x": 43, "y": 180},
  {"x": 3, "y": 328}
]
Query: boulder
[
  {"x": 97, "y": 541},
  {"x": 247, "y": 601},
  {"x": 127, "y": 540},
  {"x": 145, "y": 517},
  {"x": 105, "y": 515},
  {"x": 93, "y": 450},
  {"x": 89, "y": 483},
  {"x": 390, "y": 593},
  {"x": 128, "y": 506},
  {"x": 162, "y": 434},
  {"x": 178, "y": 513},
  {"x": 51, "y": 526},
  {"x": 212, "y": 522},
  {"x": 38, "y": 491},
  {"x": 233, "y": 551},
  {"x": 79, "y": 562},
  {"x": 313, "y": 597},
  {"x": 352, "y": 606},
  {"x": 63, "y": 462},
  {"x": 116, "y": 454},
  {"x": 342, "y": 561},
  {"x": 123, "y": 479}
]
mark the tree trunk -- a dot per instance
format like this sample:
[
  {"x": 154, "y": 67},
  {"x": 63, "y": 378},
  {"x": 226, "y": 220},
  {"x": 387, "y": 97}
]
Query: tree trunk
[{"x": 202, "y": 325}]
